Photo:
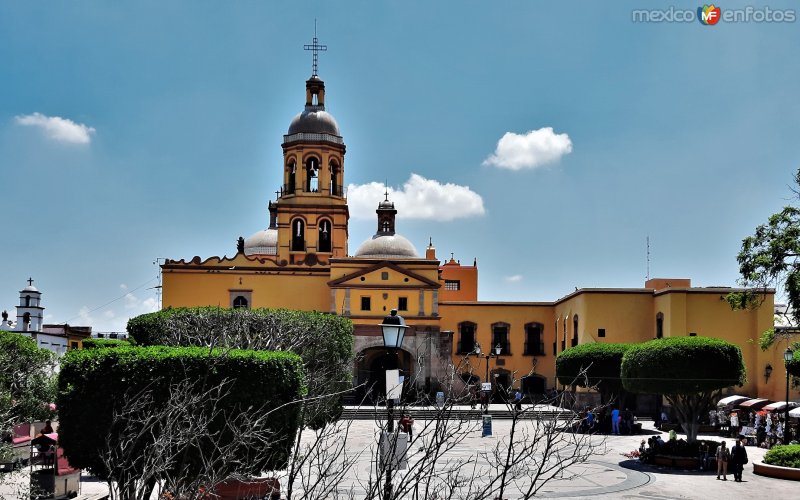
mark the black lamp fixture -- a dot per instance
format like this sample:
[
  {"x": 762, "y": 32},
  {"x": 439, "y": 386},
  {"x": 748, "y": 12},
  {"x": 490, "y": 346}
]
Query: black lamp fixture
[
  {"x": 788, "y": 355},
  {"x": 497, "y": 350},
  {"x": 393, "y": 329},
  {"x": 767, "y": 372}
]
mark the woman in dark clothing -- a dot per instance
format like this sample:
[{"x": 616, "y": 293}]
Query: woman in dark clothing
[{"x": 738, "y": 459}]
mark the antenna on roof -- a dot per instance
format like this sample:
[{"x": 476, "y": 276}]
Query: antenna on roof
[
  {"x": 315, "y": 47},
  {"x": 648, "y": 257}
]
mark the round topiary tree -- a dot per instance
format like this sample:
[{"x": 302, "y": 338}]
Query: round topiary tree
[
  {"x": 688, "y": 371},
  {"x": 596, "y": 365}
]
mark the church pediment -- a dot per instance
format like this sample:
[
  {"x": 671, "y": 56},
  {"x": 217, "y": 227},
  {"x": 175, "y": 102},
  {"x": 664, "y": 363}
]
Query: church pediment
[{"x": 383, "y": 275}]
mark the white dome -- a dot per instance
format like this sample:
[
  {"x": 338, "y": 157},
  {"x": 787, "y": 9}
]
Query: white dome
[
  {"x": 387, "y": 246},
  {"x": 31, "y": 288},
  {"x": 262, "y": 243}
]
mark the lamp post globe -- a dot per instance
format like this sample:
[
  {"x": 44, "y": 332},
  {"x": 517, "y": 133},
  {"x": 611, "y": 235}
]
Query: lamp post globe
[{"x": 788, "y": 355}]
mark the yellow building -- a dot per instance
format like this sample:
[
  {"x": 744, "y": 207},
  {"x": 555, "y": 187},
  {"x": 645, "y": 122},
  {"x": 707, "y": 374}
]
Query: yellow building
[{"x": 302, "y": 261}]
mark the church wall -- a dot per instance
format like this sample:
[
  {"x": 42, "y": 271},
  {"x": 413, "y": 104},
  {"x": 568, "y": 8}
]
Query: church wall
[{"x": 293, "y": 291}]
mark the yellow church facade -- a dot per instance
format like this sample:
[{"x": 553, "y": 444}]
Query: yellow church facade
[{"x": 302, "y": 261}]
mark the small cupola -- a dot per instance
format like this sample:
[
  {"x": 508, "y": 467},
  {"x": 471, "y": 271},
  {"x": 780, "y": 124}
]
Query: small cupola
[{"x": 386, "y": 215}]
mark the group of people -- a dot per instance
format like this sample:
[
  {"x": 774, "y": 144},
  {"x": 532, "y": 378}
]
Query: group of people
[
  {"x": 615, "y": 422},
  {"x": 735, "y": 457},
  {"x": 766, "y": 429}
]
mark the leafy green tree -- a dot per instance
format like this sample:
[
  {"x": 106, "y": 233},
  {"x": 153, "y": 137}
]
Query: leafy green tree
[
  {"x": 770, "y": 260},
  {"x": 27, "y": 383},
  {"x": 596, "y": 365},
  {"x": 688, "y": 371}
]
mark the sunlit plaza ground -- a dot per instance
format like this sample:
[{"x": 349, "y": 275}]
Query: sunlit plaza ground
[{"x": 608, "y": 474}]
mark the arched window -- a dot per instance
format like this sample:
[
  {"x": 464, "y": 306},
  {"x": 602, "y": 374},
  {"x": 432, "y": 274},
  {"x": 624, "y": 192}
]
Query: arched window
[
  {"x": 659, "y": 325},
  {"x": 312, "y": 175},
  {"x": 27, "y": 301},
  {"x": 26, "y": 321},
  {"x": 534, "y": 339},
  {"x": 292, "y": 177},
  {"x": 574, "y": 330},
  {"x": 240, "y": 303},
  {"x": 298, "y": 236},
  {"x": 466, "y": 337},
  {"x": 336, "y": 188},
  {"x": 324, "y": 236},
  {"x": 500, "y": 336}
]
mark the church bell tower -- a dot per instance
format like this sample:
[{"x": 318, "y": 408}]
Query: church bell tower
[{"x": 311, "y": 209}]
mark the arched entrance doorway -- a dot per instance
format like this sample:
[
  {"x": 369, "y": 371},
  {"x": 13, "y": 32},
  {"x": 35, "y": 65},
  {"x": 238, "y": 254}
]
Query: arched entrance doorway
[{"x": 371, "y": 366}]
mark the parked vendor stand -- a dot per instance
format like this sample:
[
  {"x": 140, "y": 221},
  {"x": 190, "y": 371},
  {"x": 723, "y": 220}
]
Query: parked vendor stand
[{"x": 51, "y": 474}]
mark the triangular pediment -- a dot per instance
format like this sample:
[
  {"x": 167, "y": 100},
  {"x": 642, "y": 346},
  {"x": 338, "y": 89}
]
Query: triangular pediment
[{"x": 373, "y": 276}]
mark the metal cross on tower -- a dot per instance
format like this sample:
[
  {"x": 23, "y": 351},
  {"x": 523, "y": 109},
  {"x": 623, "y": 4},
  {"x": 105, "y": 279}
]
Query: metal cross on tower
[
  {"x": 315, "y": 47},
  {"x": 30, "y": 281}
]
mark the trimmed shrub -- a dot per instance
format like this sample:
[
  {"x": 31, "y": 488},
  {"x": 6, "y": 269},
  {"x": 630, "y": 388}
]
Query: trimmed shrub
[
  {"x": 602, "y": 363},
  {"x": 324, "y": 341},
  {"x": 682, "y": 365},
  {"x": 93, "y": 343},
  {"x": 794, "y": 365},
  {"x": 786, "y": 455},
  {"x": 105, "y": 394}
]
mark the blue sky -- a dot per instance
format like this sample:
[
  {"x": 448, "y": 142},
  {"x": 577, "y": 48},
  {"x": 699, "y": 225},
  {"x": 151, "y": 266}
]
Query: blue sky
[{"x": 683, "y": 132}]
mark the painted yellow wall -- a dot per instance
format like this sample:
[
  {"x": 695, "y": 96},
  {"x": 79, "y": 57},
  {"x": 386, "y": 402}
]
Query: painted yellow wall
[
  {"x": 292, "y": 291},
  {"x": 517, "y": 315}
]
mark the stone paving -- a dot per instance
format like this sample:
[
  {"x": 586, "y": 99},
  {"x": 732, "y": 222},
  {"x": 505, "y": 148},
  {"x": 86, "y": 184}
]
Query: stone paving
[{"x": 609, "y": 475}]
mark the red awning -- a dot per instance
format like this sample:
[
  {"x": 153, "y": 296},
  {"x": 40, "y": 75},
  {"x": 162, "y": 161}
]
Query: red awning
[{"x": 754, "y": 404}]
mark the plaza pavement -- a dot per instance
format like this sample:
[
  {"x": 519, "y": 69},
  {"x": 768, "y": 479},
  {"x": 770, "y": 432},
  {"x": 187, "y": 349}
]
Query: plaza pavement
[{"x": 610, "y": 475}]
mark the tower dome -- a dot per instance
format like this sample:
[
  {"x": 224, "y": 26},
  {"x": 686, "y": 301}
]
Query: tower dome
[
  {"x": 387, "y": 244},
  {"x": 387, "y": 247},
  {"x": 314, "y": 119},
  {"x": 264, "y": 242}
]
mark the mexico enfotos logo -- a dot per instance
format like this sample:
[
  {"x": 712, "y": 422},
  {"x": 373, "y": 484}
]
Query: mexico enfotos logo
[{"x": 710, "y": 15}]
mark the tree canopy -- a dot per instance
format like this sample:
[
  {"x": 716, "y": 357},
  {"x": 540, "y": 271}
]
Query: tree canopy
[
  {"x": 324, "y": 341},
  {"x": 593, "y": 365},
  {"x": 686, "y": 370},
  {"x": 26, "y": 378}
]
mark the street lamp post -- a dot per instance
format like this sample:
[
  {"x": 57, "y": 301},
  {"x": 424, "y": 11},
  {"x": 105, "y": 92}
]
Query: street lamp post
[
  {"x": 393, "y": 329},
  {"x": 787, "y": 357},
  {"x": 497, "y": 349}
]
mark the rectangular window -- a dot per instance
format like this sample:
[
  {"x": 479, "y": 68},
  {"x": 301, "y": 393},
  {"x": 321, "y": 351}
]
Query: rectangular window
[
  {"x": 365, "y": 304},
  {"x": 693, "y": 334},
  {"x": 466, "y": 340},
  {"x": 402, "y": 304},
  {"x": 73, "y": 345},
  {"x": 555, "y": 348},
  {"x": 534, "y": 343},
  {"x": 454, "y": 285},
  {"x": 500, "y": 337},
  {"x": 601, "y": 332},
  {"x": 384, "y": 276}
]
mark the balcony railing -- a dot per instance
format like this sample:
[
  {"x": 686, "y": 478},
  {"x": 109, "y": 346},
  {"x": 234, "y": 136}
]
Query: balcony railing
[
  {"x": 303, "y": 136},
  {"x": 288, "y": 190}
]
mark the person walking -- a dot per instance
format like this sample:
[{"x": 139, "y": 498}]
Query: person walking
[
  {"x": 723, "y": 455},
  {"x": 407, "y": 425},
  {"x": 615, "y": 421},
  {"x": 518, "y": 400},
  {"x": 738, "y": 459}
]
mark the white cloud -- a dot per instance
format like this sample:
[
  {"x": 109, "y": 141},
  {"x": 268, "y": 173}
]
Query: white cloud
[
  {"x": 57, "y": 128},
  {"x": 420, "y": 198},
  {"x": 530, "y": 150},
  {"x": 514, "y": 278}
]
